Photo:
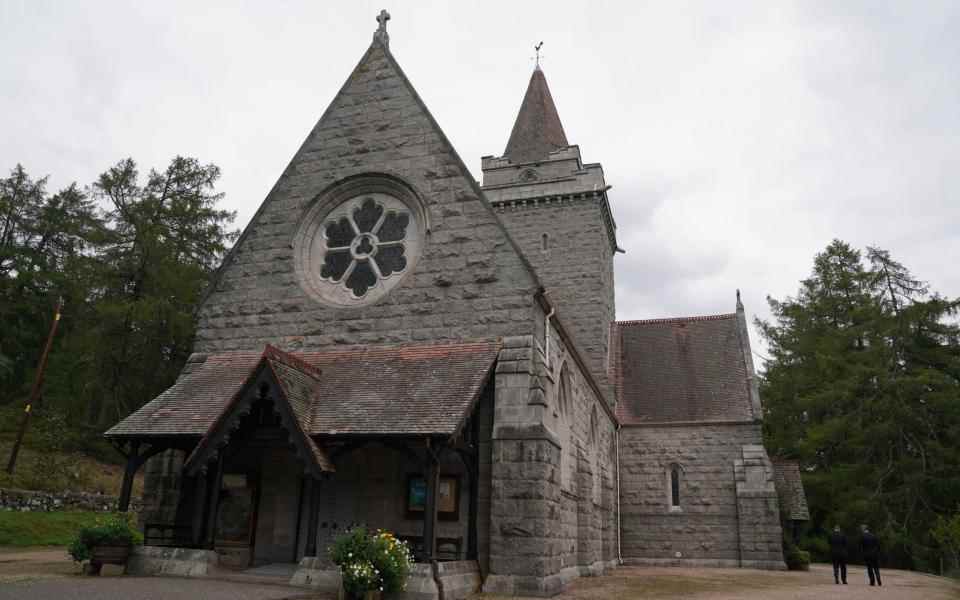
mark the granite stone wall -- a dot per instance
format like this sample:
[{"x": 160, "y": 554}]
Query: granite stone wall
[
  {"x": 576, "y": 267},
  {"x": 545, "y": 530},
  {"x": 759, "y": 532},
  {"x": 36, "y": 501},
  {"x": 469, "y": 283},
  {"x": 161, "y": 487},
  {"x": 715, "y": 510}
]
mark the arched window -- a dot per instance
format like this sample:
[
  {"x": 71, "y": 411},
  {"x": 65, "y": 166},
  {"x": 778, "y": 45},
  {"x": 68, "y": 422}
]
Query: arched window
[
  {"x": 593, "y": 427},
  {"x": 564, "y": 400},
  {"x": 675, "y": 486},
  {"x": 565, "y": 403},
  {"x": 544, "y": 242}
]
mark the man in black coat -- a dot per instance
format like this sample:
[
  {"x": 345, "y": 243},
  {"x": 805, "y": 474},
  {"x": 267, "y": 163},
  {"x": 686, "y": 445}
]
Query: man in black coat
[
  {"x": 870, "y": 548},
  {"x": 838, "y": 553}
]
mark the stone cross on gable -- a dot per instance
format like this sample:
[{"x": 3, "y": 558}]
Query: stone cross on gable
[{"x": 381, "y": 33}]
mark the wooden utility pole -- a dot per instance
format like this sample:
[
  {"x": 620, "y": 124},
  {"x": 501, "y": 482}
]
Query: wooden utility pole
[{"x": 35, "y": 391}]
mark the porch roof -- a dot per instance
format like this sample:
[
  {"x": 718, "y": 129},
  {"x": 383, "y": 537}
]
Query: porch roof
[{"x": 409, "y": 389}]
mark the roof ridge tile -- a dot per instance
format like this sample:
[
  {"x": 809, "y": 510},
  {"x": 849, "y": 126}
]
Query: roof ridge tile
[{"x": 672, "y": 320}]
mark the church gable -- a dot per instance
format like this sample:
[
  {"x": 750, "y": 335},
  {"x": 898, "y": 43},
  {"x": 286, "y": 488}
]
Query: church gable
[{"x": 375, "y": 233}]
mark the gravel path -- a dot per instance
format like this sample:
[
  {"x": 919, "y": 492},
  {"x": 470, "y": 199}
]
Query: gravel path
[
  {"x": 142, "y": 588},
  {"x": 45, "y": 574},
  {"x": 49, "y": 574},
  {"x": 634, "y": 583}
]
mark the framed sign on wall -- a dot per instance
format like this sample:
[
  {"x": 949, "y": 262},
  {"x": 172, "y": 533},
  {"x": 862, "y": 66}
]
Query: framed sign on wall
[{"x": 448, "y": 497}]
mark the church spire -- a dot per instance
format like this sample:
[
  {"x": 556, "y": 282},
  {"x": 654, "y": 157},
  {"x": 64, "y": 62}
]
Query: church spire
[{"x": 538, "y": 130}]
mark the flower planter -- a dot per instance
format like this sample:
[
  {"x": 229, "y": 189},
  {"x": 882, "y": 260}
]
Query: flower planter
[
  {"x": 371, "y": 595},
  {"x": 106, "y": 554}
]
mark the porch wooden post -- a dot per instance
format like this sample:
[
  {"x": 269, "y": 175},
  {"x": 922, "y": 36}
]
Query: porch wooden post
[
  {"x": 432, "y": 477},
  {"x": 314, "y": 507},
  {"x": 472, "y": 510},
  {"x": 126, "y": 488},
  {"x": 213, "y": 499},
  {"x": 473, "y": 501},
  {"x": 197, "y": 521}
]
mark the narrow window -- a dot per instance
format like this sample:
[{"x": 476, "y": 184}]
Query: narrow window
[
  {"x": 545, "y": 242},
  {"x": 675, "y": 486}
]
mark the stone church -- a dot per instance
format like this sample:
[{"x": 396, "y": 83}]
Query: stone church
[{"x": 391, "y": 343}]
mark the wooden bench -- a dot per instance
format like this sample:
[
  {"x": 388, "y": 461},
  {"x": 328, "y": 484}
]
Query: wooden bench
[
  {"x": 448, "y": 548},
  {"x": 167, "y": 535}
]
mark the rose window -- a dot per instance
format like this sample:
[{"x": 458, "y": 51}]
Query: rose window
[
  {"x": 364, "y": 246},
  {"x": 354, "y": 253}
]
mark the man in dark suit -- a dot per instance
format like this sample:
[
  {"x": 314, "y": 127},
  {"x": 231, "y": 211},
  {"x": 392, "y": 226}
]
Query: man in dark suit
[
  {"x": 870, "y": 548},
  {"x": 838, "y": 553}
]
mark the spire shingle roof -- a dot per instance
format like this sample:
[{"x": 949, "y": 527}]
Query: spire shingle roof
[{"x": 537, "y": 130}]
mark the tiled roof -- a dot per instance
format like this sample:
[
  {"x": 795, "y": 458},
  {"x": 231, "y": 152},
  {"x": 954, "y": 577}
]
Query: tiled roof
[
  {"x": 537, "y": 130},
  {"x": 401, "y": 389},
  {"x": 793, "y": 500},
  {"x": 679, "y": 370},
  {"x": 298, "y": 383}
]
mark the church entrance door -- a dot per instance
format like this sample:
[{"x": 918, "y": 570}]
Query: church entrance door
[{"x": 237, "y": 519}]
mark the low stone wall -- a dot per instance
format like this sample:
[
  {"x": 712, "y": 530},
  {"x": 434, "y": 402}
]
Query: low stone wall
[
  {"x": 458, "y": 579},
  {"x": 179, "y": 562},
  {"x": 316, "y": 573},
  {"x": 32, "y": 501}
]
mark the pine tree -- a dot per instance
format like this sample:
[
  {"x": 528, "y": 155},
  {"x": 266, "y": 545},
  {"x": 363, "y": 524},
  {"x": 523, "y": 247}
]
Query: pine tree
[
  {"x": 130, "y": 259},
  {"x": 864, "y": 389}
]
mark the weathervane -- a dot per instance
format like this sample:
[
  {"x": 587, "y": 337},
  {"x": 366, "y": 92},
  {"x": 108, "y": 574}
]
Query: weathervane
[
  {"x": 381, "y": 33},
  {"x": 537, "y": 50}
]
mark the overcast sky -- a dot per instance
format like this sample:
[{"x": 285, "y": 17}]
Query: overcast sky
[{"x": 739, "y": 138}]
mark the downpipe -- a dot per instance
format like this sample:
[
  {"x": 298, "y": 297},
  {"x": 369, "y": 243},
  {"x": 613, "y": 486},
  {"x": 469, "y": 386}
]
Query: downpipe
[{"x": 619, "y": 550}]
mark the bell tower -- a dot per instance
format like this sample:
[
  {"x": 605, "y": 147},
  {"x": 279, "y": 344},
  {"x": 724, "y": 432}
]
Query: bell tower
[{"x": 556, "y": 208}]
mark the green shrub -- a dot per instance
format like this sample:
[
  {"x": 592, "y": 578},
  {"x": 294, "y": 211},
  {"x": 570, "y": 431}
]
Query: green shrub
[
  {"x": 367, "y": 562},
  {"x": 113, "y": 530},
  {"x": 796, "y": 559},
  {"x": 817, "y": 545}
]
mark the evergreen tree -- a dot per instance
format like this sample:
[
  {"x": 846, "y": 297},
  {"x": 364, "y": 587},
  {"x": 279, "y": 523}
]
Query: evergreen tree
[
  {"x": 166, "y": 237},
  {"x": 863, "y": 387},
  {"x": 47, "y": 245},
  {"x": 130, "y": 259}
]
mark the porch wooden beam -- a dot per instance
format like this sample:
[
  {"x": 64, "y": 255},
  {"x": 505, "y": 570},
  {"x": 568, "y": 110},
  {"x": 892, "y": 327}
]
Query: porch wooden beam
[
  {"x": 126, "y": 487},
  {"x": 213, "y": 501},
  {"x": 313, "y": 517},
  {"x": 135, "y": 460},
  {"x": 432, "y": 479},
  {"x": 347, "y": 448},
  {"x": 473, "y": 500},
  {"x": 403, "y": 448},
  {"x": 197, "y": 521}
]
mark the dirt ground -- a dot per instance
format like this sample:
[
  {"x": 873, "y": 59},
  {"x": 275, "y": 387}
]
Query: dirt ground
[
  {"x": 635, "y": 583},
  {"x": 26, "y": 565}
]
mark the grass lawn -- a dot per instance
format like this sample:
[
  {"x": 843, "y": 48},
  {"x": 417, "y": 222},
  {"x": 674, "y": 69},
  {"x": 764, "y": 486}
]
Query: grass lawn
[
  {"x": 42, "y": 528},
  {"x": 63, "y": 471}
]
